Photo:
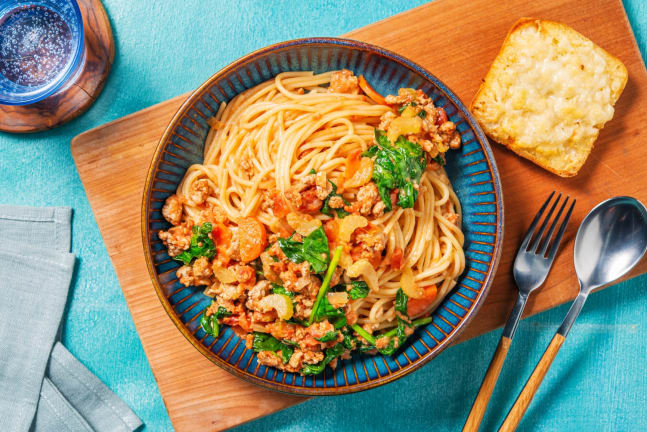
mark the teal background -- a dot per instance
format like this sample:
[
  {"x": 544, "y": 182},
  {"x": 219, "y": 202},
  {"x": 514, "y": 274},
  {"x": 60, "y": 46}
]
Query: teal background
[{"x": 164, "y": 48}]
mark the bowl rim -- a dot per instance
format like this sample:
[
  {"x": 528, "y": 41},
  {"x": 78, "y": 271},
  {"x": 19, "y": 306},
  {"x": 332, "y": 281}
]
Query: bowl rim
[{"x": 392, "y": 376}]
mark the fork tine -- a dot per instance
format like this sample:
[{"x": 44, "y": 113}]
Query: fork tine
[
  {"x": 560, "y": 233},
  {"x": 538, "y": 236},
  {"x": 531, "y": 229},
  {"x": 546, "y": 241}
]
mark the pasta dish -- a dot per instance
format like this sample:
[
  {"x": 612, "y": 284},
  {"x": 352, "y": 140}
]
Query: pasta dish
[{"x": 321, "y": 221}]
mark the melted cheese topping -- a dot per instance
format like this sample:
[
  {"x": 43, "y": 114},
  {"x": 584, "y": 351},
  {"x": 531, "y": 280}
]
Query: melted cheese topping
[{"x": 549, "y": 93}]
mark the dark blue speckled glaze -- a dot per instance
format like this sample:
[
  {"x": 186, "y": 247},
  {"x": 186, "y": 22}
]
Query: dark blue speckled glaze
[{"x": 472, "y": 171}]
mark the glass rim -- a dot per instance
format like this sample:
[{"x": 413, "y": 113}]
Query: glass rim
[{"x": 71, "y": 67}]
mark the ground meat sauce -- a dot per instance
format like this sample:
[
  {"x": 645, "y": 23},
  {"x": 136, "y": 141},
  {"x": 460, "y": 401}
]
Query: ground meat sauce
[{"x": 251, "y": 278}]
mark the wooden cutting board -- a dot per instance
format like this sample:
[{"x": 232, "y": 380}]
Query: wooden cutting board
[{"x": 456, "y": 40}]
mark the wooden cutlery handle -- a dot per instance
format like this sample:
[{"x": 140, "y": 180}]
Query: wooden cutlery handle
[
  {"x": 483, "y": 397},
  {"x": 525, "y": 397}
]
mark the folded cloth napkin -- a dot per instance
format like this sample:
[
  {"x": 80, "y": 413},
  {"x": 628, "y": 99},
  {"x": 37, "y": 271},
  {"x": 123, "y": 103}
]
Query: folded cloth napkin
[{"x": 42, "y": 386}]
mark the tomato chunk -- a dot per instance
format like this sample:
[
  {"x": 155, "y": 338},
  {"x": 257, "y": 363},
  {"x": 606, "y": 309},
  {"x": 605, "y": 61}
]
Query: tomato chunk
[
  {"x": 222, "y": 236},
  {"x": 416, "y": 307},
  {"x": 331, "y": 228},
  {"x": 252, "y": 238},
  {"x": 442, "y": 116},
  {"x": 279, "y": 206},
  {"x": 397, "y": 259}
]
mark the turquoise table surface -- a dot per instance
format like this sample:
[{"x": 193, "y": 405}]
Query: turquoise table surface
[{"x": 598, "y": 382}]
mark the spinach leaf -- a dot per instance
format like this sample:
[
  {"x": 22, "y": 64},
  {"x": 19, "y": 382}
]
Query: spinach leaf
[
  {"x": 350, "y": 341},
  {"x": 222, "y": 312},
  {"x": 398, "y": 333},
  {"x": 312, "y": 171},
  {"x": 330, "y": 354},
  {"x": 326, "y": 310},
  {"x": 364, "y": 348},
  {"x": 407, "y": 195},
  {"x": 185, "y": 257},
  {"x": 322, "y": 308},
  {"x": 278, "y": 289},
  {"x": 372, "y": 151},
  {"x": 292, "y": 249},
  {"x": 415, "y": 323},
  {"x": 401, "y": 302},
  {"x": 266, "y": 342},
  {"x": 339, "y": 323},
  {"x": 210, "y": 324},
  {"x": 340, "y": 287},
  {"x": 328, "y": 337},
  {"x": 314, "y": 249},
  {"x": 385, "y": 195},
  {"x": 358, "y": 290},
  {"x": 286, "y": 353},
  {"x": 397, "y": 166},
  {"x": 325, "y": 209},
  {"x": 289, "y": 342},
  {"x": 422, "y": 114},
  {"x": 439, "y": 160},
  {"x": 297, "y": 321},
  {"x": 201, "y": 244},
  {"x": 401, "y": 337}
]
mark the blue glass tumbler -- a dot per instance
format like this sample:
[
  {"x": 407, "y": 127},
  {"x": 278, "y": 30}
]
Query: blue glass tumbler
[{"x": 41, "y": 48}]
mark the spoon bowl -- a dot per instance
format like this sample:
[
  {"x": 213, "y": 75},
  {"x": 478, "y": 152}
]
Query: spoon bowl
[{"x": 611, "y": 241}]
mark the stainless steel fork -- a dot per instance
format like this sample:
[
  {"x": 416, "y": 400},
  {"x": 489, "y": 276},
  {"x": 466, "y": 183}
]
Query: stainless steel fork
[{"x": 531, "y": 266}]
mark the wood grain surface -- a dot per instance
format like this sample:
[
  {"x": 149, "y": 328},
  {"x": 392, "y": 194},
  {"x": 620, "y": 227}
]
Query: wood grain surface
[
  {"x": 520, "y": 406},
  {"x": 81, "y": 90},
  {"x": 487, "y": 386},
  {"x": 457, "y": 41}
]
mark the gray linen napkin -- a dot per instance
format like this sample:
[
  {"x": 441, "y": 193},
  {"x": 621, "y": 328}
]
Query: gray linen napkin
[
  {"x": 45, "y": 388},
  {"x": 46, "y": 228}
]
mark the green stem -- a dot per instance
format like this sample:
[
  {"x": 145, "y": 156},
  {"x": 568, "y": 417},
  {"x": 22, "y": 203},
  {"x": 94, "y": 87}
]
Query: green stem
[
  {"x": 415, "y": 323},
  {"x": 363, "y": 333},
  {"x": 326, "y": 281}
]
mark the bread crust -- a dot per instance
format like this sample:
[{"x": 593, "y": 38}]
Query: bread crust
[{"x": 508, "y": 140}]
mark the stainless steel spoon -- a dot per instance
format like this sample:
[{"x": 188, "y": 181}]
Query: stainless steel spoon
[{"x": 611, "y": 241}]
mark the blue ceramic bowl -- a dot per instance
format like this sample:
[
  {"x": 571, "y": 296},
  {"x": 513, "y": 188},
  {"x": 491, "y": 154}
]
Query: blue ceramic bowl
[{"x": 472, "y": 171}]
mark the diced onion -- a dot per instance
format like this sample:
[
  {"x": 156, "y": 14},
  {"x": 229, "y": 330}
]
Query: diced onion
[
  {"x": 345, "y": 260},
  {"x": 223, "y": 274},
  {"x": 302, "y": 223},
  {"x": 403, "y": 126},
  {"x": 259, "y": 328},
  {"x": 364, "y": 269},
  {"x": 362, "y": 175},
  {"x": 349, "y": 224},
  {"x": 338, "y": 299},
  {"x": 408, "y": 284}
]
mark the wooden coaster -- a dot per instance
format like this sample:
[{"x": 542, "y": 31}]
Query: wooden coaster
[{"x": 81, "y": 90}]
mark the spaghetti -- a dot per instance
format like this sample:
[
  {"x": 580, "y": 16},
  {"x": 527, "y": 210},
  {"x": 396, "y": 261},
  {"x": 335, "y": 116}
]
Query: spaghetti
[{"x": 306, "y": 154}]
